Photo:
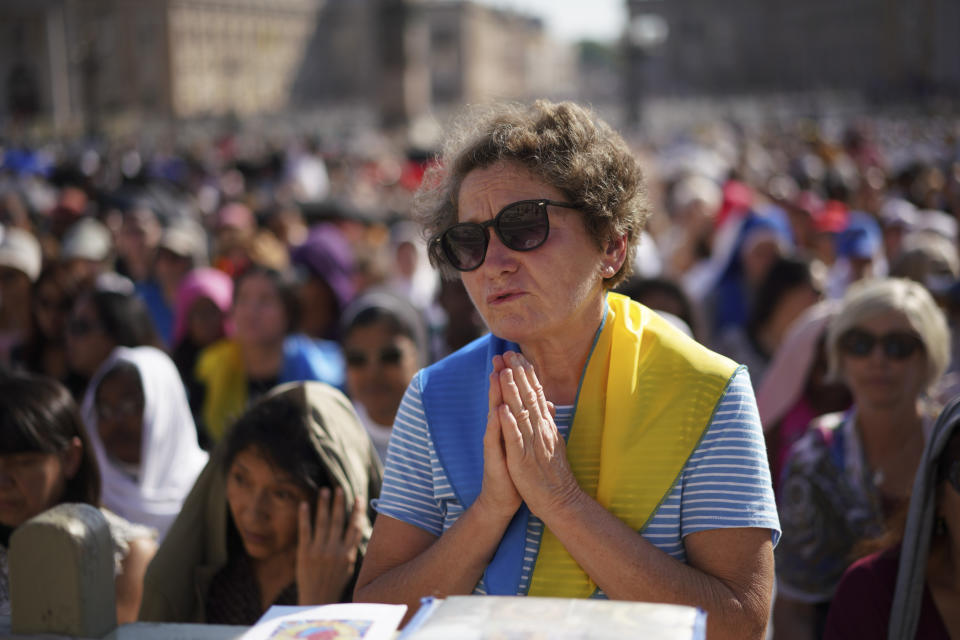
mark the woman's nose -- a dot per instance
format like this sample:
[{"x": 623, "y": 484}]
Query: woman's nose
[
  {"x": 499, "y": 255},
  {"x": 261, "y": 507},
  {"x": 6, "y": 478}
]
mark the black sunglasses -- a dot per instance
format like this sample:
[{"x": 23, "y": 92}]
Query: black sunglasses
[
  {"x": 521, "y": 226},
  {"x": 388, "y": 356},
  {"x": 896, "y": 345}
]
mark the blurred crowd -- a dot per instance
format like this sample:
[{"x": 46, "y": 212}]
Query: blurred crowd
[{"x": 171, "y": 286}]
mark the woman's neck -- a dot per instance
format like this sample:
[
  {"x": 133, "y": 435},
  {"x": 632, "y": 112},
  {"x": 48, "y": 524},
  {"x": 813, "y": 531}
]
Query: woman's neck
[
  {"x": 262, "y": 360},
  {"x": 892, "y": 443},
  {"x": 559, "y": 362},
  {"x": 273, "y": 575},
  {"x": 887, "y": 428}
]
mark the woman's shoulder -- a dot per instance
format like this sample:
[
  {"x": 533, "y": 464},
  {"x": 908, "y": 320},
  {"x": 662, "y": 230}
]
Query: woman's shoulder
[
  {"x": 864, "y": 596},
  {"x": 217, "y": 353},
  {"x": 122, "y": 531},
  {"x": 816, "y": 442},
  {"x": 128, "y": 537},
  {"x": 881, "y": 565},
  {"x": 472, "y": 357}
]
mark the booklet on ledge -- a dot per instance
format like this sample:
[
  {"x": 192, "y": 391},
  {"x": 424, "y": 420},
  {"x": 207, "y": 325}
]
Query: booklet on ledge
[
  {"x": 357, "y": 621},
  {"x": 523, "y": 618}
]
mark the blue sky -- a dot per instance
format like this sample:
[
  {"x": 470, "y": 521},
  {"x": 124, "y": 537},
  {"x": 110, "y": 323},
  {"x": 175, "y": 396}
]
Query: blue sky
[{"x": 574, "y": 19}]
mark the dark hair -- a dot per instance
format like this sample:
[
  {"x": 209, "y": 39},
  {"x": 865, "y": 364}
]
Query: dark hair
[
  {"x": 400, "y": 317},
  {"x": 284, "y": 283},
  {"x": 785, "y": 274},
  {"x": 120, "y": 369},
  {"x": 949, "y": 454},
  {"x": 125, "y": 319},
  {"x": 39, "y": 415},
  {"x": 278, "y": 429},
  {"x": 31, "y": 352},
  {"x": 643, "y": 289}
]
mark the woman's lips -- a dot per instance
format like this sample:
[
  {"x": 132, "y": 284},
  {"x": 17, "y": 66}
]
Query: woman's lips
[
  {"x": 255, "y": 538},
  {"x": 10, "y": 503},
  {"x": 503, "y": 296}
]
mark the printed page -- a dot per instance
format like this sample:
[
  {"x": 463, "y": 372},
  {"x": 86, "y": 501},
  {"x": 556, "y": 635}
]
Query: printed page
[{"x": 356, "y": 621}]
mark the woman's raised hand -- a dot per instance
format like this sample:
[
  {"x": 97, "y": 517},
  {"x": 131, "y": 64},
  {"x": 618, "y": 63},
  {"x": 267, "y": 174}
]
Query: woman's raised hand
[
  {"x": 327, "y": 556},
  {"x": 497, "y": 493},
  {"x": 536, "y": 455}
]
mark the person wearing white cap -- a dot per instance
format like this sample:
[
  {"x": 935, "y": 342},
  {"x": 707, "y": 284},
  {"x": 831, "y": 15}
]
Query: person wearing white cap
[
  {"x": 180, "y": 249},
  {"x": 20, "y": 261},
  {"x": 86, "y": 247}
]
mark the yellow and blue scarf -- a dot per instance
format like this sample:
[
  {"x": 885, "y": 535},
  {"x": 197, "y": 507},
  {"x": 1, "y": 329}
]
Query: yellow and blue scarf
[{"x": 646, "y": 397}]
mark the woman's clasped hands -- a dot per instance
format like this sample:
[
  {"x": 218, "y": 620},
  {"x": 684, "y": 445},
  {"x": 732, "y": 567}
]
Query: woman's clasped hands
[{"x": 524, "y": 454}]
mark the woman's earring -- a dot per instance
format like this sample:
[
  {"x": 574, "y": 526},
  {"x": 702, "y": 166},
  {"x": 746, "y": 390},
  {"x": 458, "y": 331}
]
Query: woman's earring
[{"x": 608, "y": 271}]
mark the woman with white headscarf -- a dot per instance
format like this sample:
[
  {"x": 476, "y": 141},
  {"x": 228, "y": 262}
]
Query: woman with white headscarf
[{"x": 143, "y": 435}]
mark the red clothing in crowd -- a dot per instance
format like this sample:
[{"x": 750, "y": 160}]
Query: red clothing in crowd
[{"x": 861, "y": 606}]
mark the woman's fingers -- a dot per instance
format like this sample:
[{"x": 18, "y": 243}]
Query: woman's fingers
[
  {"x": 303, "y": 541},
  {"x": 513, "y": 401},
  {"x": 323, "y": 514},
  {"x": 337, "y": 516},
  {"x": 495, "y": 397},
  {"x": 326, "y": 559},
  {"x": 510, "y": 428},
  {"x": 531, "y": 391},
  {"x": 354, "y": 533}
]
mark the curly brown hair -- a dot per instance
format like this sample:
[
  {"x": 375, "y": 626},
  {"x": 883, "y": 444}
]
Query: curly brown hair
[{"x": 564, "y": 144}]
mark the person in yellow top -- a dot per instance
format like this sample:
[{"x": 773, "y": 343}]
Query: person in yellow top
[{"x": 586, "y": 447}]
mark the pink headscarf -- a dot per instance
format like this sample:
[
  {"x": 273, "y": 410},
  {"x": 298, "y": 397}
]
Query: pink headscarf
[
  {"x": 787, "y": 375},
  {"x": 202, "y": 283}
]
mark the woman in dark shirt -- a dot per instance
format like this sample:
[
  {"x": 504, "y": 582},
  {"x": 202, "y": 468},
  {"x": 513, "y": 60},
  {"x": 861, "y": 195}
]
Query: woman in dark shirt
[{"x": 910, "y": 590}]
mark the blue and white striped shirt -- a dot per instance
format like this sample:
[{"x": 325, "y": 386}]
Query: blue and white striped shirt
[{"x": 725, "y": 483}]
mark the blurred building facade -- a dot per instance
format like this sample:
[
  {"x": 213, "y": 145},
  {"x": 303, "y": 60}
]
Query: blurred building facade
[
  {"x": 886, "y": 49},
  {"x": 94, "y": 60}
]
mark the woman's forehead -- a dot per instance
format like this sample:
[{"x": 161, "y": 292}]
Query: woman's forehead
[
  {"x": 256, "y": 460},
  {"x": 486, "y": 190},
  {"x": 124, "y": 378}
]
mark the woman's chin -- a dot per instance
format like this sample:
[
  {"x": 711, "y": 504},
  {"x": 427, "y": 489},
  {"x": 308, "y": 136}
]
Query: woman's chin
[{"x": 258, "y": 549}]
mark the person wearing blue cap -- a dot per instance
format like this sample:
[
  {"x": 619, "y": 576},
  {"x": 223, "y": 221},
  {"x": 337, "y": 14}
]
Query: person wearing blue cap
[{"x": 859, "y": 250}]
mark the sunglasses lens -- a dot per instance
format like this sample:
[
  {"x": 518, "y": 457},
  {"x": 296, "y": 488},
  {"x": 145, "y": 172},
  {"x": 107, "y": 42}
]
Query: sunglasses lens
[
  {"x": 465, "y": 245},
  {"x": 900, "y": 346},
  {"x": 857, "y": 343},
  {"x": 896, "y": 346},
  {"x": 523, "y": 226}
]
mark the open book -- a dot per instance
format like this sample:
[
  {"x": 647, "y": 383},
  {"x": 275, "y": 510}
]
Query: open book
[
  {"x": 485, "y": 617},
  {"x": 523, "y": 618}
]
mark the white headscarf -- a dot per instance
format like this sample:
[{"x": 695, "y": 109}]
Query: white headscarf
[{"x": 170, "y": 458}]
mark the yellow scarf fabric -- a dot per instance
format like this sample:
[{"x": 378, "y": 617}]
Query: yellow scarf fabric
[
  {"x": 645, "y": 402},
  {"x": 220, "y": 369}
]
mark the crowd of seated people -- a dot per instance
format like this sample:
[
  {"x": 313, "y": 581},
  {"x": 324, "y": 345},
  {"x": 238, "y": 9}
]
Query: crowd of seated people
[{"x": 190, "y": 348}]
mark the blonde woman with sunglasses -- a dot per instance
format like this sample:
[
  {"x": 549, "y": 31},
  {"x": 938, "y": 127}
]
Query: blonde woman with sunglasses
[
  {"x": 585, "y": 447},
  {"x": 853, "y": 471}
]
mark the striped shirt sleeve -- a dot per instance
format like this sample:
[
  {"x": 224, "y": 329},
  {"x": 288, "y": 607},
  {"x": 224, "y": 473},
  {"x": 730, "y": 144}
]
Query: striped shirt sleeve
[
  {"x": 726, "y": 482},
  {"x": 408, "y": 483}
]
